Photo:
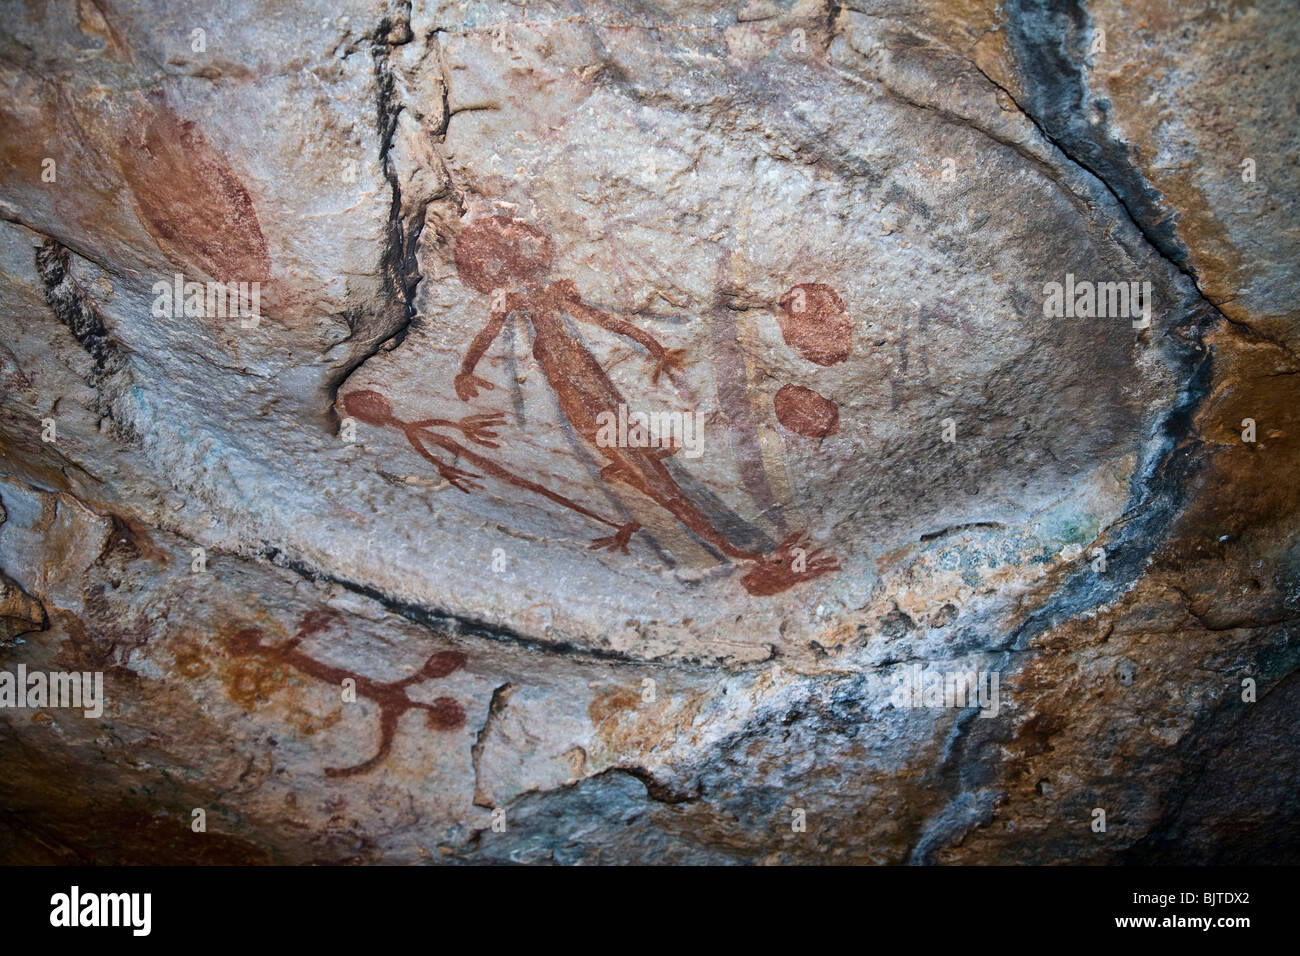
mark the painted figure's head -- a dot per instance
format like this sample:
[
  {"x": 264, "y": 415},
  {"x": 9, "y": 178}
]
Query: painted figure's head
[
  {"x": 501, "y": 253},
  {"x": 368, "y": 406}
]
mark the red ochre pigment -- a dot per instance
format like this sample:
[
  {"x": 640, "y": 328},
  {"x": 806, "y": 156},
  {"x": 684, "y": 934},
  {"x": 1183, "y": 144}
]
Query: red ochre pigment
[
  {"x": 511, "y": 261},
  {"x": 815, "y": 324},
  {"x": 189, "y": 199},
  {"x": 804, "y": 412},
  {"x": 444, "y": 713}
]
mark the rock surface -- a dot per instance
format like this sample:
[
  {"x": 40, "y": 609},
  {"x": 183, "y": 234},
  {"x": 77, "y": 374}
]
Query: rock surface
[{"x": 385, "y": 567}]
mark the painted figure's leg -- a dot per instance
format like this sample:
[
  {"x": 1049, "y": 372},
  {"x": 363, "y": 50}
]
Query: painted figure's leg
[
  {"x": 496, "y": 471},
  {"x": 387, "y": 731},
  {"x": 456, "y": 477},
  {"x": 617, "y": 541}
]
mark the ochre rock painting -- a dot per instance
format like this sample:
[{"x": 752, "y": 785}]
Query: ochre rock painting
[
  {"x": 511, "y": 261},
  {"x": 815, "y": 323},
  {"x": 189, "y": 199},
  {"x": 805, "y": 412},
  {"x": 952, "y": 566},
  {"x": 443, "y": 713}
]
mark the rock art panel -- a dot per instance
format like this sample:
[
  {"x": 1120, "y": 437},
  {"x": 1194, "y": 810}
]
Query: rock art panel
[{"x": 791, "y": 434}]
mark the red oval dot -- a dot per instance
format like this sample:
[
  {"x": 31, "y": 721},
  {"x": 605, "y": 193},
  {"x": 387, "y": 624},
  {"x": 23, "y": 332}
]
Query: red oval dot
[
  {"x": 815, "y": 324},
  {"x": 804, "y": 412}
]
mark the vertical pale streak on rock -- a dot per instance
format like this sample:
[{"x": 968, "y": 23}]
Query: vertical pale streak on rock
[
  {"x": 773, "y": 450},
  {"x": 731, "y": 378},
  {"x": 771, "y": 447}
]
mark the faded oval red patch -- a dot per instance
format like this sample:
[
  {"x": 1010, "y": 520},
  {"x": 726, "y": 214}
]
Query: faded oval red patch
[
  {"x": 500, "y": 253},
  {"x": 815, "y": 324},
  {"x": 369, "y": 406},
  {"x": 445, "y": 714},
  {"x": 804, "y": 412},
  {"x": 443, "y": 663},
  {"x": 190, "y": 200}
]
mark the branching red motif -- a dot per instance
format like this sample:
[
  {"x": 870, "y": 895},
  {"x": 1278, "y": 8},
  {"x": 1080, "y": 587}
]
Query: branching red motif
[{"x": 444, "y": 713}]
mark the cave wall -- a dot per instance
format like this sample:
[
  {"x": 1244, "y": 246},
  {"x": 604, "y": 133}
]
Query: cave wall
[{"x": 358, "y": 602}]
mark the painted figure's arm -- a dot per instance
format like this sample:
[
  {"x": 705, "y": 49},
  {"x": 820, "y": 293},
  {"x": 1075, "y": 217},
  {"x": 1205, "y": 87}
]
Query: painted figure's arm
[
  {"x": 480, "y": 429},
  {"x": 665, "y": 359},
  {"x": 467, "y": 383}
]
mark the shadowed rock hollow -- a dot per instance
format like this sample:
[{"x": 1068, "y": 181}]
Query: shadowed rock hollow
[{"x": 614, "y": 420}]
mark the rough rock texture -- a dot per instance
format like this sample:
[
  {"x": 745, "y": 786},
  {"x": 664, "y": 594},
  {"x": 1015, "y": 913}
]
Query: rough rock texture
[{"x": 367, "y": 582}]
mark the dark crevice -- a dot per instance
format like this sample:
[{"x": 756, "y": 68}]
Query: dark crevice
[
  {"x": 74, "y": 309},
  {"x": 78, "y": 312},
  {"x": 655, "y": 789},
  {"x": 1048, "y": 38},
  {"x": 496, "y": 707},
  {"x": 446, "y": 622},
  {"x": 956, "y": 528},
  {"x": 398, "y": 263}
]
